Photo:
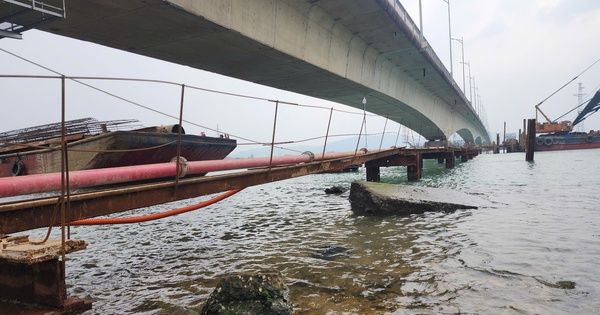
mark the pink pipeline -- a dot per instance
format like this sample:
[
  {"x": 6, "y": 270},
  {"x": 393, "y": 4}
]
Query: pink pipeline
[{"x": 30, "y": 184}]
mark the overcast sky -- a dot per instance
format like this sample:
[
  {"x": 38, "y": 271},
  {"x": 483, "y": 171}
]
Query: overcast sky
[{"x": 520, "y": 52}]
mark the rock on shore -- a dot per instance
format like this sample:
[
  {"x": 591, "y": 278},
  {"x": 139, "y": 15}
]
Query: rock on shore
[
  {"x": 370, "y": 198},
  {"x": 260, "y": 293}
]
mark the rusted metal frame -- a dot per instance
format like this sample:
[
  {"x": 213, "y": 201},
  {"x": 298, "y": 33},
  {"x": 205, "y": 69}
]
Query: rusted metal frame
[
  {"x": 383, "y": 134},
  {"x": 65, "y": 171},
  {"x": 360, "y": 134},
  {"x": 434, "y": 155},
  {"x": 177, "y": 160},
  {"x": 26, "y": 215},
  {"x": 398, "y": 134},
  {"x": 459, "y": 152},
  {"x": 395, "y": 160},
  {"x": 327, "y": 133},
  {"x": 273, "y": 137}
]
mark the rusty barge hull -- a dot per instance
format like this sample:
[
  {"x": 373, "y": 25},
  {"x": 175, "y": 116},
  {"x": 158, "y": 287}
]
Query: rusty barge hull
[
  {"x": 114, "y": 149},
  {"x": 567, "y": 141}
]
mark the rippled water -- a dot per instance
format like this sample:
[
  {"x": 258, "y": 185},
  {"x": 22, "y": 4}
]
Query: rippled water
[{"x": 533, "y": 251}]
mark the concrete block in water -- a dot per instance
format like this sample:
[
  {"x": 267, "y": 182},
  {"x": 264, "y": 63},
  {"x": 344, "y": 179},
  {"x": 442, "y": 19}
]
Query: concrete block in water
[{"x": 370, "y": 198}]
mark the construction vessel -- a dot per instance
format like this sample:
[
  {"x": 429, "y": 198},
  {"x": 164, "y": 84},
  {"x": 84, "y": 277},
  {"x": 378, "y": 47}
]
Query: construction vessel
[
  {"x": 92, "y": 144},
  {"x": 560, "y": 136}
]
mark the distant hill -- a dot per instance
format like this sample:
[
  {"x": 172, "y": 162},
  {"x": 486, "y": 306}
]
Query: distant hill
[{"x": 345, "y": 145}]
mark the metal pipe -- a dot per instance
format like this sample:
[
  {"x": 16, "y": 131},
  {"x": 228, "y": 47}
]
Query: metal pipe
[{"x": 30, "y": 184}]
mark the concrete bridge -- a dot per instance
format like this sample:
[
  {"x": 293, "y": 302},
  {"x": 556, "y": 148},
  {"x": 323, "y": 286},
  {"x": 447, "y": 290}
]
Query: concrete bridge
[{"x": 337, "y": 50}]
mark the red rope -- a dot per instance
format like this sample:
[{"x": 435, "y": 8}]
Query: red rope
[{"x": 155, "y": 216}]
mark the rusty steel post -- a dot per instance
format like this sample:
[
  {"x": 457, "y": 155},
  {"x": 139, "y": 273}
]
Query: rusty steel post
[
  {"x": 373, "y": 174},
  {"x": 450, "y": 159},
  {"x": 530, "y": 139},
  {"x": 497, "y": 146},
  {"x": 414, "y": 171},
  {"x": 32, "y": 277}
]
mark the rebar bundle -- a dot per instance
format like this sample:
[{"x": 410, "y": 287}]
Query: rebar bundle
[{"x": 86, "y": 126}]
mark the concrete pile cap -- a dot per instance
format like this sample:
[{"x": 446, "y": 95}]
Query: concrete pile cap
[{"x": 22, "y": 249}]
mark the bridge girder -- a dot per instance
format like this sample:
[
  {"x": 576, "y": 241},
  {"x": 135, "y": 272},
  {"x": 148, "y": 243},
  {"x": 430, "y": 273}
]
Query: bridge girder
[{"x": 337, "y": 50}]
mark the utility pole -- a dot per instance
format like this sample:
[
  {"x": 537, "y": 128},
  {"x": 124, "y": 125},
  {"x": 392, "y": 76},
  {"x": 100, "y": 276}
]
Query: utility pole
[
  {"x": 460, "y": 40},
  {"x": 580, "y": 95},
  {"x": 468, "y": 63},
  {"x": 449, "y": 38},
  {"x": 421, "y": 24}
]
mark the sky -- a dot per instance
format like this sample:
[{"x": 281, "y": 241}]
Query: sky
[{"x": 519, "y": 52}]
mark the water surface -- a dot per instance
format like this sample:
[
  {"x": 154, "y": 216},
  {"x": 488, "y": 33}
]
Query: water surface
[{"x": 534, "y": 250}]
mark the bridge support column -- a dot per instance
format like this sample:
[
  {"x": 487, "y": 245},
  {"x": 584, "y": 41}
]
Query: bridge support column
[
  {"x": 373, "y": 174},
  {"x": 33, "y": 278}
]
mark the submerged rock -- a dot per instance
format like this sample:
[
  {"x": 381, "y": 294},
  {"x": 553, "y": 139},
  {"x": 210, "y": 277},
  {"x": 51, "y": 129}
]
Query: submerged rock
[
  {"x": 332, "y": 252},
  {"x": 335, "y": 190},
  {"x": 261, "y": 293},
  {"x": 386, "y": 199}
]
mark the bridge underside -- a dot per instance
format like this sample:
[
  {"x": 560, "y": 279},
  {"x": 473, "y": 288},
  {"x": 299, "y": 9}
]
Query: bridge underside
[{"x": 377, "y": 58}]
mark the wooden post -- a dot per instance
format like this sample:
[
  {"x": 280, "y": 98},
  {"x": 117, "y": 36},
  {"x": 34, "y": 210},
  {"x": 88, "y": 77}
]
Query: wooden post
[{"x": 530, "y": 139}]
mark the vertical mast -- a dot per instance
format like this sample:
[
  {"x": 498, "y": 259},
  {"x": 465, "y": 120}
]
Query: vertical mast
[{"x": 580, "y": 95}]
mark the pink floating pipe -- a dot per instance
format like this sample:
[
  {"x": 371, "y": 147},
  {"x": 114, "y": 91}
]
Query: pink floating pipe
[{"x": 30, "y": 184}]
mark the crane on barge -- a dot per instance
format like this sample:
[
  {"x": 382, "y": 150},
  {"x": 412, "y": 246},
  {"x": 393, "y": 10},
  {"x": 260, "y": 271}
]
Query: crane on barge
[{"x": 550, "y": 125}]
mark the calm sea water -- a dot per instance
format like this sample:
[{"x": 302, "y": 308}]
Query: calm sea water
[{"x": 535, "y": 250}]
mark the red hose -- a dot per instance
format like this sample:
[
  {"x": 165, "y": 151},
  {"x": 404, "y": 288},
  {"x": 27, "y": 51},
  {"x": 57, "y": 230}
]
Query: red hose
[{"x": 155, "y": 216}]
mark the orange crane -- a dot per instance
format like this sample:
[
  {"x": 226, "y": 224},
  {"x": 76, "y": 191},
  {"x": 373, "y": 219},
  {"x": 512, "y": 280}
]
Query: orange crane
[{"x": 549, "y": 125}]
